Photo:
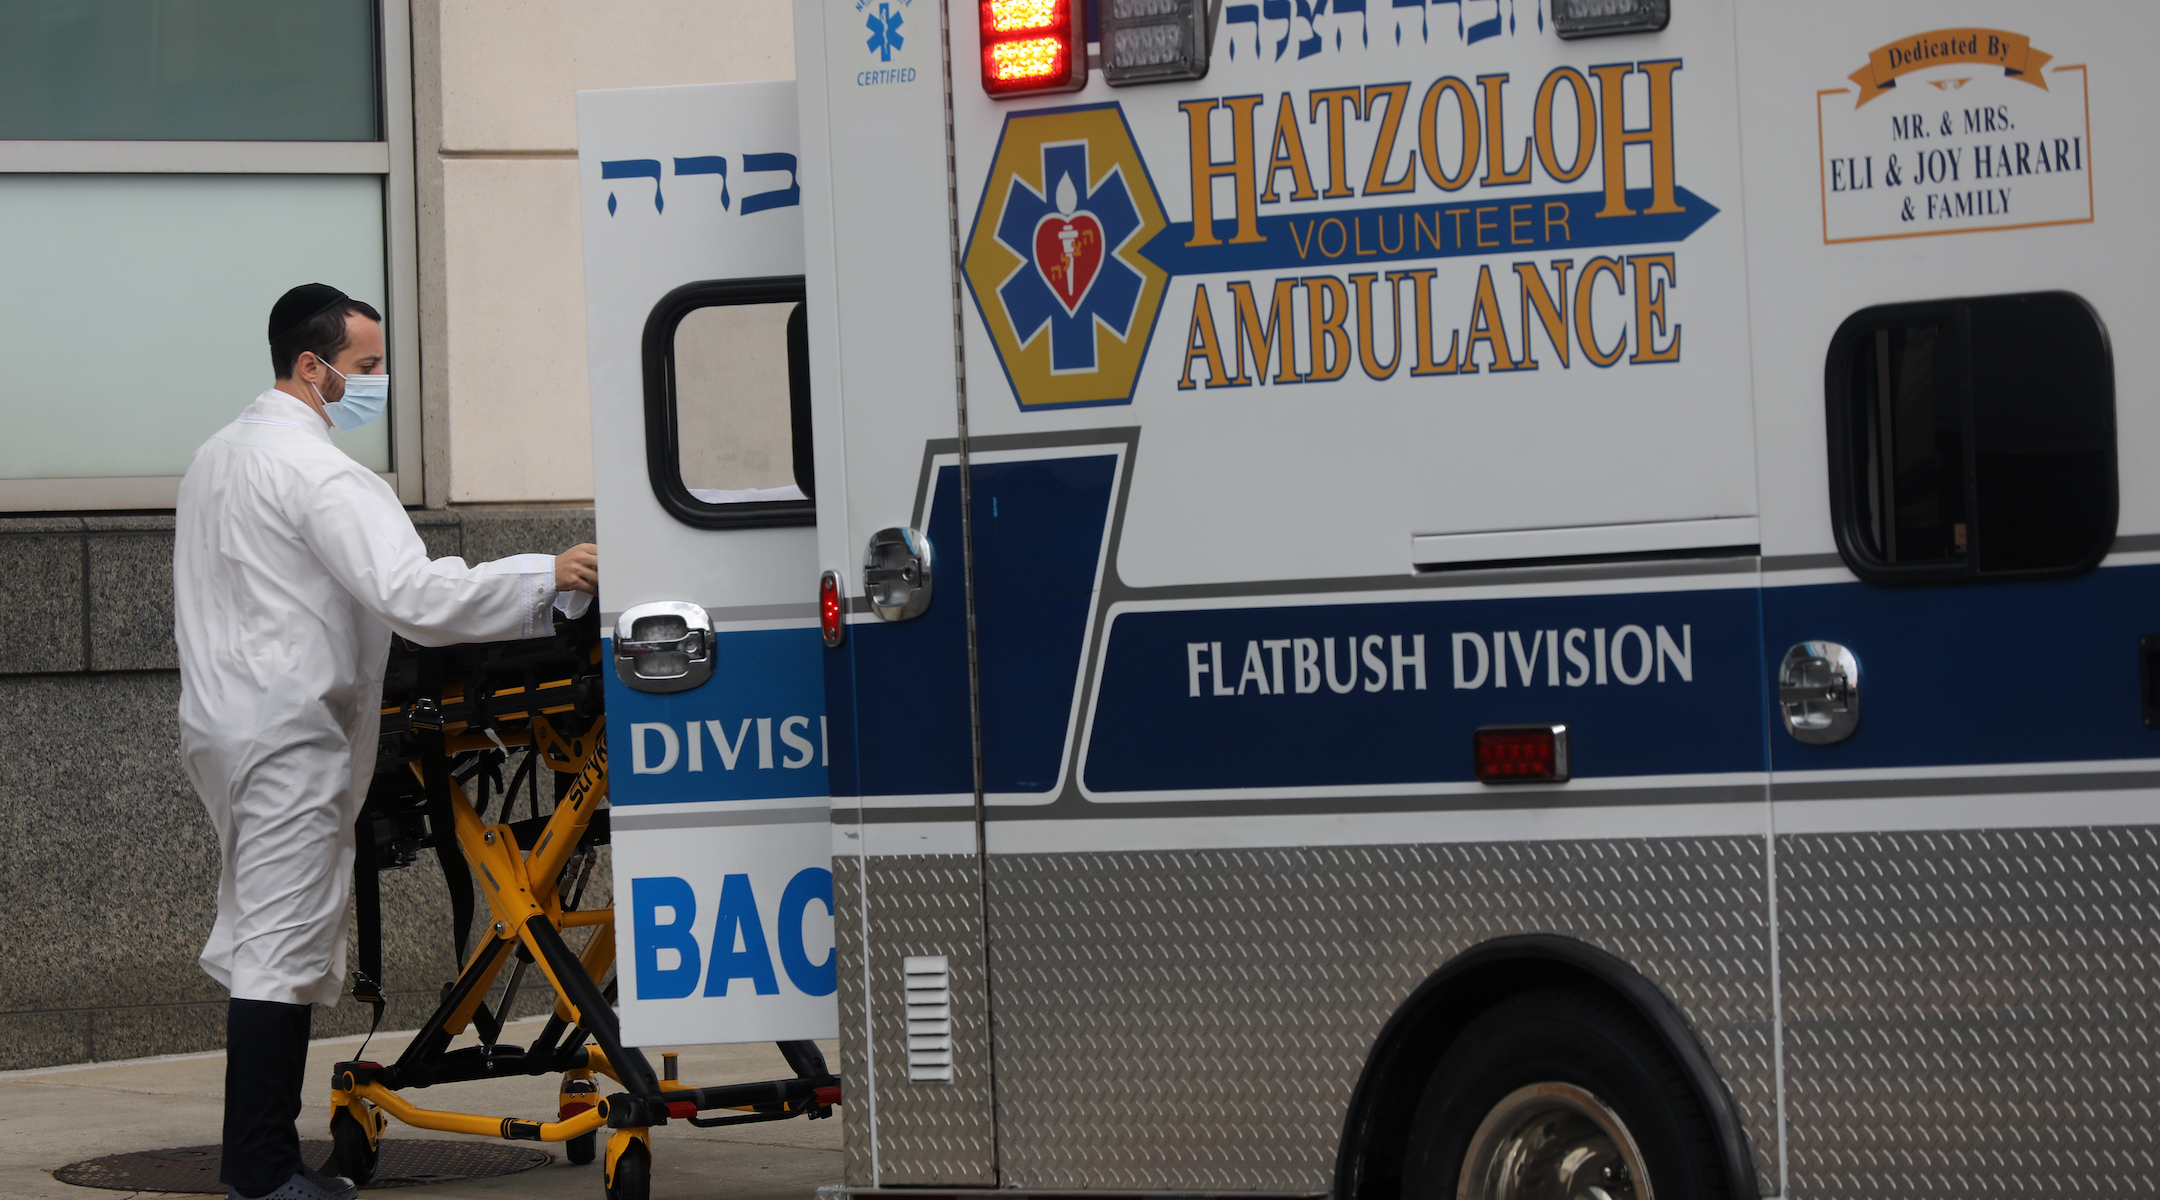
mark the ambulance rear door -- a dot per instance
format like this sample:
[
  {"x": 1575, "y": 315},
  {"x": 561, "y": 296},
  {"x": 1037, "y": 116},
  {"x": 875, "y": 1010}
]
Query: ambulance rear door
[
  {"x": 891, "y": 528},
  {"x": 703, "y": 485}
]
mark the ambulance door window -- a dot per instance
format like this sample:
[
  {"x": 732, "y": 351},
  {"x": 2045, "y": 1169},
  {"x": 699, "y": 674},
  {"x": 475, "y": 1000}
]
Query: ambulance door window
[
  {"x": 1910, "y": 383},
  {"x": 1973, "y": 439},
  {"x": 727, "y": 405}
]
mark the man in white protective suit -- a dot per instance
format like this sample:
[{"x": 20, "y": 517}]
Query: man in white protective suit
[{"x": 292, "y": 567}]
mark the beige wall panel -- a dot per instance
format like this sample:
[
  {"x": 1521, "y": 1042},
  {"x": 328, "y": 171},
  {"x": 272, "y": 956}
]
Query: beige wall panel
[
  {"x": 520, "y": 423},
  {"x": 511, "y": 68}
]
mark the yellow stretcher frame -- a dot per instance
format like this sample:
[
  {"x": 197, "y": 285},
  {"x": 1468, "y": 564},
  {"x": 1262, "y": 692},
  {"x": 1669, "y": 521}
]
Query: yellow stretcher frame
[{"x": 522, "y": 892}]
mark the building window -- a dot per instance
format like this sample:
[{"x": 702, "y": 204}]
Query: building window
[
  {"x": 190, "y": 70},
  {"x": 183, "y": 163},
  {"x": 1973, "y": 439}
]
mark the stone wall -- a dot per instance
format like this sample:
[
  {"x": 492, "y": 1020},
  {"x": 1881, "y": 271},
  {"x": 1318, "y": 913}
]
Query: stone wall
[{"x": 108, "y": 867}]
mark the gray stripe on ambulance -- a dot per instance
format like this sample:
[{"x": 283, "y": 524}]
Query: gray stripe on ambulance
[
  {"x": 1527, "y": 798},
  {"x": 1499, "y": 799},
  {"x": 637, "y": 821},
  {"x": 1966, "y": 785}
]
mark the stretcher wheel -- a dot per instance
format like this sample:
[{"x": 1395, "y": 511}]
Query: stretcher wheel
[
  {"x": 577, "y": 1095},
  {"x": 351, "y": 1153},
  {"x": 633, "y": 1174}
]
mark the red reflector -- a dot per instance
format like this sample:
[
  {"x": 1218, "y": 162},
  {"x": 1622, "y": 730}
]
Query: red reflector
[
  {"x": 681, "y": 1108},
  {"x": 829, "y": 608},
  {"x": 1032, "y": 46},
  {"x": 1521, "y": 753},
  {"x": 826, "y": 1096}
]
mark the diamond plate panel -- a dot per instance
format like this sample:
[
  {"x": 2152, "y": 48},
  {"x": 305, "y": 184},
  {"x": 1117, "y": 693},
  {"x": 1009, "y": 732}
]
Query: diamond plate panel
[
  {"x": 1195, "y": 1021},
  {"x": 857, "y": 1168},
  {"x": 932, "y": 1132},
  {"x": 1972, "y": 1014}
]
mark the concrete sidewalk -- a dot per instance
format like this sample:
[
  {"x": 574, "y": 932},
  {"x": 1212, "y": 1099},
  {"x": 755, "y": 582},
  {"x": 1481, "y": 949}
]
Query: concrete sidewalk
[{"x": 58, "y": 1115}]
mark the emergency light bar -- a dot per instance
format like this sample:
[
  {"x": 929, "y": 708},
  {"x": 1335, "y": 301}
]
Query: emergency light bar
[
  {"x": 1598, "y": 18},
  {"x": 1033, "y": 46},
  {"x": 1153, "y": 41}
]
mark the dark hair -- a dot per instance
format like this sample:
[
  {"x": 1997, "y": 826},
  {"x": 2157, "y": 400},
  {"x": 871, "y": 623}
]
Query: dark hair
[{"x": 324, "y": 334}]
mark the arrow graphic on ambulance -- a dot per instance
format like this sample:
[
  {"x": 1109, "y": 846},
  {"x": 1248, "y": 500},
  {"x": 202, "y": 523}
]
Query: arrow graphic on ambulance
[{"x": 1524, "y": 224}]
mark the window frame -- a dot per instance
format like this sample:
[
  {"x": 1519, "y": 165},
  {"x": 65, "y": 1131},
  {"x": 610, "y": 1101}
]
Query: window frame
[
  {"x": 390, "y": 160},
  {"x": 663, "y": 445},
  {"x": 1848, "y": 506}
]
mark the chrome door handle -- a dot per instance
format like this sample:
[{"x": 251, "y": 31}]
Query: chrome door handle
[
  {"x": 664, "y": 646},
  {"x": 896, "y": 574},
  {"x": 1818, "y": 692}
]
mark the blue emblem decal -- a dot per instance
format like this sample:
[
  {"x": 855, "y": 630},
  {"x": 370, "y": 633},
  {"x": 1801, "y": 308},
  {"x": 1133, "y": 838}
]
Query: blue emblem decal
[{"x": 1069, "y": 239}]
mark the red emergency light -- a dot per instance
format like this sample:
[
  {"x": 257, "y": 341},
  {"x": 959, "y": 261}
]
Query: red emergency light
[
  {"x": 1032, "y": 46},
  {"x": 1521, "y": 753},
  {"x": 829, "y": 608}
]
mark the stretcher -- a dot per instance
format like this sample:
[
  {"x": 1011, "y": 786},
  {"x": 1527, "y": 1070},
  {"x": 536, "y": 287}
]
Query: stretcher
[{"x": 453, "y": 719}]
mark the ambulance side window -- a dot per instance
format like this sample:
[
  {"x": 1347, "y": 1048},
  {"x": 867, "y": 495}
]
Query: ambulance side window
[
  {"x": 1972, "y": 439},
  {"x": 727, "y": 404}
]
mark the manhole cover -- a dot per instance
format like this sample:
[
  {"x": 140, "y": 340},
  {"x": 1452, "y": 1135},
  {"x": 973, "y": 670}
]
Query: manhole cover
[{"x": 405, "y": 1162}]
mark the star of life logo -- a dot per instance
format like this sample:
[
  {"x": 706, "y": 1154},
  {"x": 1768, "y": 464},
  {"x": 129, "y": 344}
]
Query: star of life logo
[
  {"x": 885, "y": 41},
  {"x": 885, "y": 35},
  {"x": 1054, "y": 260},
  {"x": 1068, "y": 281}
]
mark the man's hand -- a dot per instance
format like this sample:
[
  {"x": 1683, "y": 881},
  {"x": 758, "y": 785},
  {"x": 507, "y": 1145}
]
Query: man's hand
[{"x": 578, "y": 569}]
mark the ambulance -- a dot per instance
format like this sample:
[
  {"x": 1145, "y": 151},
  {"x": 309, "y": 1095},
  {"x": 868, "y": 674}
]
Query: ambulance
[{"x": 1439, "y": 598}]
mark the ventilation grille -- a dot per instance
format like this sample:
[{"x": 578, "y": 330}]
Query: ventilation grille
[{"x": 929, "y": 1017}]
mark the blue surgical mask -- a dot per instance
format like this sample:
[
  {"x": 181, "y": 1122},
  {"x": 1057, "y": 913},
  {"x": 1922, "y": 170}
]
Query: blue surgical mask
[{"x": 365, "y": 398}]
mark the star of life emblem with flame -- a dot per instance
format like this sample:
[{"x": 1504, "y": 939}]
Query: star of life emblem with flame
[
  {"x": 1054, "y": 259},
  {"x": 1068, "y": 245}
]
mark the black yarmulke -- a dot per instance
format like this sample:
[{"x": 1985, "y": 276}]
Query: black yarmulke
[{"x": 301, "y": 305}]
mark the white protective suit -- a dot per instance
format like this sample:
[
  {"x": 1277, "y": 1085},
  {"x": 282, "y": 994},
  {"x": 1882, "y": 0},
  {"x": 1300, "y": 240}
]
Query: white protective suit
[{"x": 292, "y": 565}]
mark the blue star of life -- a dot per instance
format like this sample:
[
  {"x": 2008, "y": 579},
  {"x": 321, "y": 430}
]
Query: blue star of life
[
  {"x": 885, "y": 36},
  {"x": 1114, "y": 293}
]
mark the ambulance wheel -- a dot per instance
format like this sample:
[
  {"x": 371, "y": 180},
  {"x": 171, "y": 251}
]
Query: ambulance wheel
[
  {"x": 1561, "y": 1092},
  {"x": 580, "y": 1149},
  {"x": 633, "y": 1175},
  {"x": 351, "y": 1155}
]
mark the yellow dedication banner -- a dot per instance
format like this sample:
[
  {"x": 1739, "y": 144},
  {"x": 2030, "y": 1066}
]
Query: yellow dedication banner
[{"x": 2013, "y": 52}]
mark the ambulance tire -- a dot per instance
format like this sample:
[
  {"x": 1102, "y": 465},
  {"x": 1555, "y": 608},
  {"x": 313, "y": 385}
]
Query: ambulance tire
[
  {"x": 581, "y": 1150},
  {"x": 633, "y": 1175},
  {"x": 1558, "y": 1070},
  {"x": 350, "y": 1153}
]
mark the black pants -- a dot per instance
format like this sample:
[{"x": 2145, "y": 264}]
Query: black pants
[{"x": 265, "y": 1057}]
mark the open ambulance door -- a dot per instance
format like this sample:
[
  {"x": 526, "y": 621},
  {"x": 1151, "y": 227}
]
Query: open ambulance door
[{"x": 703, "y": 485}]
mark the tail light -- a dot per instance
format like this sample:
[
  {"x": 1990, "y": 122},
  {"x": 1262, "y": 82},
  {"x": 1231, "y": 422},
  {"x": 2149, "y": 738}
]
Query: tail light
[
  {"x": 828, "y": 607},
  {"x": 1032, "y": 46},
  {"x": 1521, "y": 753}
]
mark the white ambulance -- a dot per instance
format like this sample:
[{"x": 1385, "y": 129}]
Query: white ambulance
[{"x": 1483, "y": 598}]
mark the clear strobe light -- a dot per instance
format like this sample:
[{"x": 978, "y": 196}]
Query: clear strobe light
[
  {"x": 1598, "y": 18},
  {"x": 1152, "y": 41}
]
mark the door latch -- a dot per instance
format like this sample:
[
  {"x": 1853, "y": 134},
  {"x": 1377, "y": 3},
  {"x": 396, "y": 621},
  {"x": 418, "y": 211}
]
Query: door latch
[
  {"x": 664, "y": 646},
  {"x": 1819, "y": 692},
  {"x": 896, "y": 574}
]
